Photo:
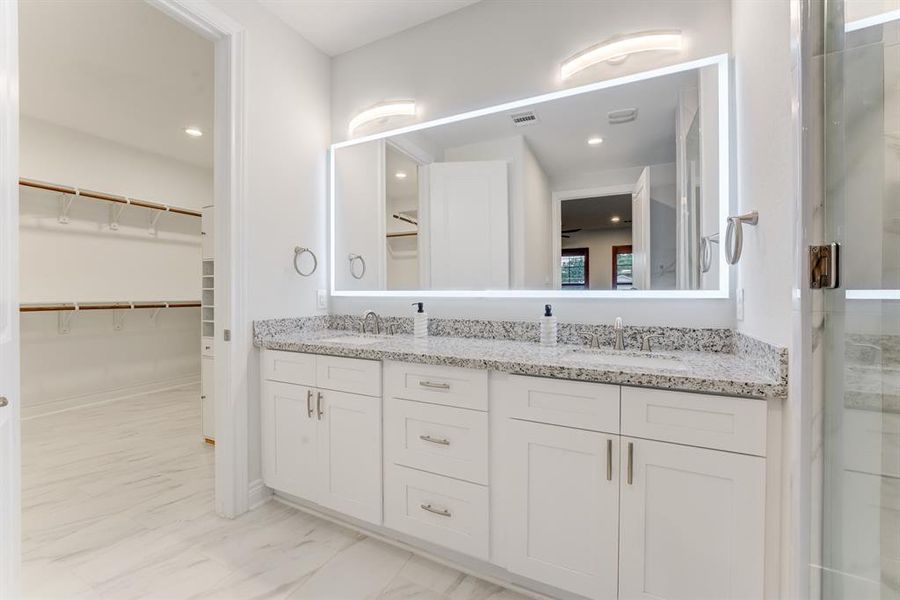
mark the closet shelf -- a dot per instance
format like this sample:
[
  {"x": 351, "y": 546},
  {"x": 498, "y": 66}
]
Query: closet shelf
[
  {"x": 73, "y": 306},
  {"x": 64, "y": 189},
  {"x": 403, "y": 234}
]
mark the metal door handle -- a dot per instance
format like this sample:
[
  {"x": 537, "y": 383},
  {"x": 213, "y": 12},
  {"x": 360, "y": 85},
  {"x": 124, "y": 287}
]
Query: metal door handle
[
  {"x": 440, "y": 441},
  {"x": 3, "y": 401},
  {"x": 443, "y": 512},
  {"x": 609, "y": 460},
  {"x": 319, "y": 412},
  {"x": 309, "y": 409},
  {"x": 630, "y": 463},
  {"x": 437, "y": 386}
]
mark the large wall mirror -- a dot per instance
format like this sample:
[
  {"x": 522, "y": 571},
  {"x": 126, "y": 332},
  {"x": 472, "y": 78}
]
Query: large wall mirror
[{"x": 616, "y": 188}]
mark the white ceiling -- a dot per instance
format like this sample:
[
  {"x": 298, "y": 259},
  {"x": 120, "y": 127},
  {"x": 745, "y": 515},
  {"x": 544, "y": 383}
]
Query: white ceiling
[
  {"x": 123, "y": 71},
  {"x": 559, "y": 138},
  {"x": 338, "y": 26}
]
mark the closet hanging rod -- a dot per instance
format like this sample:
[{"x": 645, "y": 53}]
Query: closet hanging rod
[
  {"x": 53, "y": 187},
  {"x": 66, "y": 306}
]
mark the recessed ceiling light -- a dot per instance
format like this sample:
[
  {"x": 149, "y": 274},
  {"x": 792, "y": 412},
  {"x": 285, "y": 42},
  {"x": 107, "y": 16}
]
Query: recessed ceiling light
[
  {"x": 595, "y": 140},
  {"x": 615, "y": 219},
  {"x": 193, "y": 131},
  {"x": 400, "y": 175}
]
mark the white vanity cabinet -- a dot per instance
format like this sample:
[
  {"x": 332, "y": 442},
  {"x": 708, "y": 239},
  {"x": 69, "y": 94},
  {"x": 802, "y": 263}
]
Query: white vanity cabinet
[{"x": 323, "y": 444}]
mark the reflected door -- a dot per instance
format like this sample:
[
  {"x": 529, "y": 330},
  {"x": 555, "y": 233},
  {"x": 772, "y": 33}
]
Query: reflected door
[{"x": 860, "y": 524}]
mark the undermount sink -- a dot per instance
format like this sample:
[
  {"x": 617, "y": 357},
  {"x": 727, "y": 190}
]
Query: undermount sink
[
  {"x": 639, "y": 360},
  {"x": 356, "y": 340}
]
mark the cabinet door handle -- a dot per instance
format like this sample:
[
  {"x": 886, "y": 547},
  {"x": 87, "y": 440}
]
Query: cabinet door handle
[
  {"x": 435, "y": 386},
  {"x": 442, "y": 512},
  {"x": 630, "y": 463},
  {"x": 309, "y": 409},
  {"x": 434, "y": 440},
  {"x": 319, "y": 411},
  {"x": 609, "y": 460}
]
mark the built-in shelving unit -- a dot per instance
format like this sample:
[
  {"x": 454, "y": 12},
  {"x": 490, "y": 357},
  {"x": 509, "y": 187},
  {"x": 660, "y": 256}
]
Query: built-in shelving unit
[{"x": 207, "y": 324}]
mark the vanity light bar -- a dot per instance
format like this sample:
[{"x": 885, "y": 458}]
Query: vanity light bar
[
  {"x": 618, "y": 48},
  {"x": 393, "y": 108}
]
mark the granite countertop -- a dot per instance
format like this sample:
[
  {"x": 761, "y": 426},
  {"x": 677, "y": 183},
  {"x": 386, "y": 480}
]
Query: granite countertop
[{"x": 709, "y": 372}]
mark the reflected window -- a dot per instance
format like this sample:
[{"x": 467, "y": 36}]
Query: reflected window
[
  {"x": 622, "y": 262},
  {"x": 575, "y": 268}
]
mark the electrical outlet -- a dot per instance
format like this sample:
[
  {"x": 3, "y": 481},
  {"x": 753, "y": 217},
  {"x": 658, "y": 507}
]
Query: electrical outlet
[
  {"x": 739, "y": 308},
  {"x": 321, "y": 299}
]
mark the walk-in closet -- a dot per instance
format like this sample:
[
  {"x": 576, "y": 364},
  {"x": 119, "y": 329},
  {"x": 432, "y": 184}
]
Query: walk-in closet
[{"x": 117, "y": 279}]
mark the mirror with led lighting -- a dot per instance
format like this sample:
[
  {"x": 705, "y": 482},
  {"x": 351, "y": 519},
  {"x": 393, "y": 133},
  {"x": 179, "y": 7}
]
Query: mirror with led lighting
[{"x": 603, "y": 189}]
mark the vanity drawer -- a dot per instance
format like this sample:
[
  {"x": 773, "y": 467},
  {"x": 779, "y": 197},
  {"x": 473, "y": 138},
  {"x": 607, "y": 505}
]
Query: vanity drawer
[
  {"x": 451, "y": 386},
  {"x": 592, "y": 406},
  {"x": 445, "y": 511},
  {"x": 352, "y": 375},
  {"x": 440, "y": 439},
  {"x": 719, "y": 422},
  {"x": 289, "y": 367}
]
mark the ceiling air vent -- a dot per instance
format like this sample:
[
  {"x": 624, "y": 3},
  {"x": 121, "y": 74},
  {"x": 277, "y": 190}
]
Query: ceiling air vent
[
  {"x": 523, "y": 119},
  {"x": 626, "y": 115}
]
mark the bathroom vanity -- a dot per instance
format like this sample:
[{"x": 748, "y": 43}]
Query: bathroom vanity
[{"x": 566, "y": 471}]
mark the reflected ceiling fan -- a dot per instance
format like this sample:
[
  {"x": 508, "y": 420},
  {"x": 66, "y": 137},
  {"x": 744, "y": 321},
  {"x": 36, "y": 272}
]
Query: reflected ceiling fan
[{"x": 565, "y": 231}]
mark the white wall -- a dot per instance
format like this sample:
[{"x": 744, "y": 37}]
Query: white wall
[
  {"x": 538, "y": 223},
  {"x": 286, "y": 91},
  {"x": 86, "y": 261},
  {"x": 599, "y": 243},
  {"x": 764, "y": 166}
]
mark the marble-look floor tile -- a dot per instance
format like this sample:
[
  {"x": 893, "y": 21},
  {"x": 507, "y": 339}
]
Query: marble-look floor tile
[{"x": 118, "y": 504}]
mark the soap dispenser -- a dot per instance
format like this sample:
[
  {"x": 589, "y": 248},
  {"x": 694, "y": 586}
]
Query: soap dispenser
[
  {"x": 420, "y": 325},
  {"x": 548, "y": 327}
]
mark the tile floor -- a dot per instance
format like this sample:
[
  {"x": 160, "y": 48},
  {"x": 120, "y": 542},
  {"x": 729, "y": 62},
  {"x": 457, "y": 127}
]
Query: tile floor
[{"x": 117, "y": 502}]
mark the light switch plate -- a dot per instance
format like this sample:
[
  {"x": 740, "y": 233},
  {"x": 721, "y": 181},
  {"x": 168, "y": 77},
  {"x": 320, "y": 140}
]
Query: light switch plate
[{"x": 321, "y": 299}]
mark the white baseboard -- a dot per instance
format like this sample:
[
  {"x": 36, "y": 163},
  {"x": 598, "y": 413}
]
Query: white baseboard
[
  {"x": 58, "y": 405},
  {"x": 259, "y": 493}
]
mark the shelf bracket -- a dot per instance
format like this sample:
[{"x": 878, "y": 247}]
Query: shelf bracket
[
  {"x": 119, "y": 317},
  {"x": 64, "y": 320},
  {"x": 154, "y": 220},
  {"x": 155, "y": 313},
  {"x": 65, "y": 205},
  {"x": 115, "y": 213}
]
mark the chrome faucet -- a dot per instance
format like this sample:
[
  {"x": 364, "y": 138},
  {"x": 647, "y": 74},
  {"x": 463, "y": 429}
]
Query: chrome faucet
[
  {"x": 620, "y": 334},
  {"x": 363, "y": 325}
]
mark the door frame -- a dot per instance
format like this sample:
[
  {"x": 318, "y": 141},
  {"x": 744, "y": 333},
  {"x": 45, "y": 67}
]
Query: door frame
[
  {"x": 556, "y": 200},
  {"x": 232, "y": 485}
]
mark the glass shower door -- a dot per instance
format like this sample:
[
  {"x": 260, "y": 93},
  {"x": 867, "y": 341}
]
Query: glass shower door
[{"x": 861, "y": 394}]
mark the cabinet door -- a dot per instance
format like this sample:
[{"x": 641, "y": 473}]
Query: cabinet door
[
  {"x": 207, "y": 232},
  {"x": 692, "y": 523},
  {"x": 350, "y": 454},
  {"x": 289, "y": 433},
  {"x": 563, "y": 516},
  {"x": 207, "y": 397}
]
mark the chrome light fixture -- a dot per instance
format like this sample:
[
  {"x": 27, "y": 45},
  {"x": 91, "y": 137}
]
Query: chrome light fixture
[
  {"x": 618, "y": 48},
  {"x": 384, "y": 110}
]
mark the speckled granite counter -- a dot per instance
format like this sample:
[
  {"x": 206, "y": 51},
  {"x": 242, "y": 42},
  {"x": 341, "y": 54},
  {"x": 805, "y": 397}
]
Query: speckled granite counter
[{"x": 730, "y": 373}]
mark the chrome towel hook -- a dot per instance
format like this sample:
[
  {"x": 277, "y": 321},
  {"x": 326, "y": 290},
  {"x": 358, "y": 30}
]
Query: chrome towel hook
[
  {"x": 300, "y": 251},
  {"x": 734, "y": 235},
  {"x": 353, "y": 258},
  {"x": 706, "y": 251}
]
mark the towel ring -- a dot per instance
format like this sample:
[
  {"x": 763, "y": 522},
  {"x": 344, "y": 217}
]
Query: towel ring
[
  {"x": 300, "y": 251},
  {"x": 353, "y": 258},
  {"x": 706, "y": 251},
  {"x": 734, "y": 235}
]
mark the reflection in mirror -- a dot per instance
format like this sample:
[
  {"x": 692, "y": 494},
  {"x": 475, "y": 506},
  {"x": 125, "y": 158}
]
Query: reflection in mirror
[{"x": 610, "y": 189}]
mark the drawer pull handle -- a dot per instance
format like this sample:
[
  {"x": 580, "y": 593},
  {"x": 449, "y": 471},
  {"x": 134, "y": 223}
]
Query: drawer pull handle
[
  {"x": 609, "y": 460},
  {"x": 309, "y": 408},
  {"x": 435, "y": 386},
  {"x": 442, "y": 512},
  {"x": 434, "y": 440},
  {"x": 319, "y": 411},
  {"x": 630, "y": 463}
]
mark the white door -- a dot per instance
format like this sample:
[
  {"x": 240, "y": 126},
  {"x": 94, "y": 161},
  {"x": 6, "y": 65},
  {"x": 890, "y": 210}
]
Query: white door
[
  {"x": 564, "y": 511},
  {"x": 289, "y": 433},
  {"x": 208, "y": 397},
  {"x": 468, "y": 217},
  {"x": 10, "y": 505},
  {"x": 692, "y": 523},
  {"x": 640, "y": 231},
  {"x": 350, "y": 454}
]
